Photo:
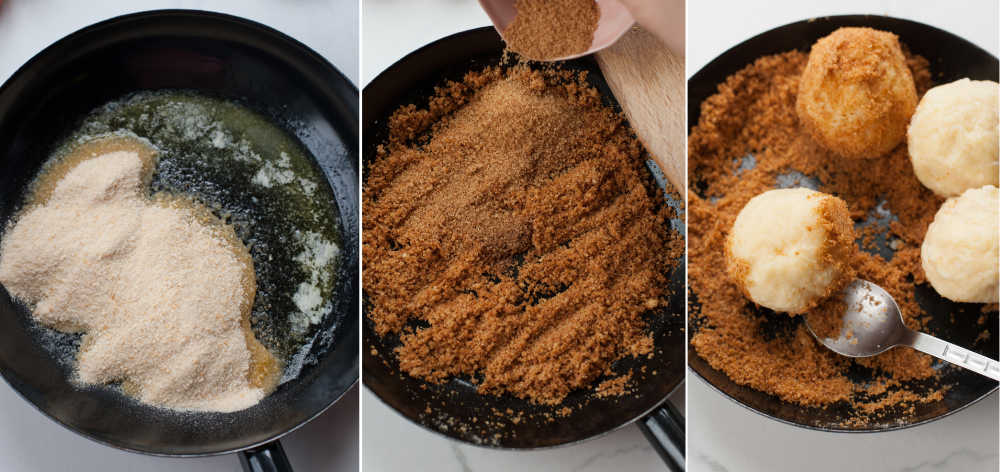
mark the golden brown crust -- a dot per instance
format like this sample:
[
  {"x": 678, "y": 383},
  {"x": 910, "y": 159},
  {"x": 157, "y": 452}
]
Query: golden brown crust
[
  {"x": 839, "y": 248},
  {"x": 856, "y": 95}
]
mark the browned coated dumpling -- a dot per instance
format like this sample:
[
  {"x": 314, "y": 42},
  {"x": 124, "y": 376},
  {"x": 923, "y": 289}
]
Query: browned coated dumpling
[{"x": 857, "y": 95}]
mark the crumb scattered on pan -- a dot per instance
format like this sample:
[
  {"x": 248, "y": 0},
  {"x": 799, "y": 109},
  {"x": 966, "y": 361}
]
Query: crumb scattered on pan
[{"x": 513, "y": 236}]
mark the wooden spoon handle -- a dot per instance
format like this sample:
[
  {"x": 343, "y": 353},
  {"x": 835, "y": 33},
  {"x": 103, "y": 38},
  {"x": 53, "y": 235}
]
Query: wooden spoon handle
[{"x": 648, "y": 81}]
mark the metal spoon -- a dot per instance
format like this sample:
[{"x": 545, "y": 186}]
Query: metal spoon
[{"x": 873, "y": 324}]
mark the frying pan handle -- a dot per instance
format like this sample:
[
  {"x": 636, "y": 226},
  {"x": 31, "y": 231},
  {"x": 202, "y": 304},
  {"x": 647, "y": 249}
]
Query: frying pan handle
[
  {"x": 664, "y": 428},
  {"x": 269, "y": 457}
]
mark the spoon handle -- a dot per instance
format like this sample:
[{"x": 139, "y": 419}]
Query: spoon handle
[{"x": 955, "y": 354}]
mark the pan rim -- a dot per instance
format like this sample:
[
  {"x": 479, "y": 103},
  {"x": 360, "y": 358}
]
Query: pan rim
[
  {"x": 529, "y": 448},
  {"x": 698, "y": 77},
  {"x": 253, "y": 27}
]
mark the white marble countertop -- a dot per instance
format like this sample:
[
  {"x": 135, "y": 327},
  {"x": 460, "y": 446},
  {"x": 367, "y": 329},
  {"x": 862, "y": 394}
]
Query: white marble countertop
[
  {"x": 723, "y": 436},
  {"x": 390, "y": 30},
  {"x": 31, "y": 442},
  {"x": 711, "y": 33}
]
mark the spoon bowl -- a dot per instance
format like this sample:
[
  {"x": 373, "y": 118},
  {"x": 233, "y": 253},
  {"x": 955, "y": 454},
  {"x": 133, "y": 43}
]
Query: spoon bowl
[
  {"x": 873, "y": 324},
  {"x": 614, "y": 21}
]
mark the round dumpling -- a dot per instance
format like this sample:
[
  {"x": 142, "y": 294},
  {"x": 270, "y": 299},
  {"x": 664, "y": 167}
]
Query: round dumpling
[
  {"x": 959, "y": 254},
  {"x": 953, "y": 139},
  {"x": 791, "y": 248},
  {"x": 857, "y": 95}
]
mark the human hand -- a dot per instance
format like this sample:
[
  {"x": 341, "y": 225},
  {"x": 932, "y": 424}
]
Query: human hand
[{"x": 663, "y": 18}]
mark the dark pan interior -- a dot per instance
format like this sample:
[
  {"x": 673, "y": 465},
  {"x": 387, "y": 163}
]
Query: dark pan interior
[
  {"x": 951, "y": 58},
  {"x": 454, "y": 408},
  {"x": 221, "y": 56}
]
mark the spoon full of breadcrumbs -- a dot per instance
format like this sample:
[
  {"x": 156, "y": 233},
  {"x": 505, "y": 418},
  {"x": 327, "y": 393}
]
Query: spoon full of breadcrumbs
[{"x": 556, "y": 30}]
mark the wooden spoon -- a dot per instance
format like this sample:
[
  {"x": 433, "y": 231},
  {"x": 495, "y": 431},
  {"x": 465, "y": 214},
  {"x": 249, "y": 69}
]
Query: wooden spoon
[{"x": 647, "y": 79}]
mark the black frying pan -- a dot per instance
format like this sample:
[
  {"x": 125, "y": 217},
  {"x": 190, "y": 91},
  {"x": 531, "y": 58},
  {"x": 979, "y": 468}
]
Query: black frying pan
[
  {"x": 222, "y": 56},
  {"x": 454, "y": 409},
  {"x": 951, "y": 58}
]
